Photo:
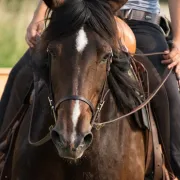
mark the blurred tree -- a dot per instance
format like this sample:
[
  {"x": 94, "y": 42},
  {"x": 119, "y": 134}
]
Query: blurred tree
[{"x": 14, "y": 5}]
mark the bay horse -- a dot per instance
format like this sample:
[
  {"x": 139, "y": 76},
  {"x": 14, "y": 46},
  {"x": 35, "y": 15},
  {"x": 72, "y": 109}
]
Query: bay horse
[{"x": 76, "y": 61}]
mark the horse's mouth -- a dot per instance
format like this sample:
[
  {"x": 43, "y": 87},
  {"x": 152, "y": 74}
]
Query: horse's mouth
[
  {"x": 71, "y": 156},
  {"x": 68, "y": 153}
]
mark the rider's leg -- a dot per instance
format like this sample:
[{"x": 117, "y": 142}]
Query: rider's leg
[
  {"x": 22, "y": 63},
  {"x": 150, "y": 39}
]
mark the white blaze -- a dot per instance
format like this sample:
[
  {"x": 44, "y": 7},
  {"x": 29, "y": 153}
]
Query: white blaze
[
  {"x": 81, "y": 40},
  {"x": 81, "y": 43},
  {"x": 75, "y": 116}
]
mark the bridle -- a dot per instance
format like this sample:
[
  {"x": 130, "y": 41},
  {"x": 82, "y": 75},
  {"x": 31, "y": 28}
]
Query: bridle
[{"x": 95, "y": 111}]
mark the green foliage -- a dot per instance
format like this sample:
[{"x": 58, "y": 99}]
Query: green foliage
[
  {"x": 13, "y": 25},
  {"x": 15, "y": 17}
]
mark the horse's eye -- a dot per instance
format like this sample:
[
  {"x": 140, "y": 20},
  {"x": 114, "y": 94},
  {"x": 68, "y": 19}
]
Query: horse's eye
[{"x": 106, "y": 57}]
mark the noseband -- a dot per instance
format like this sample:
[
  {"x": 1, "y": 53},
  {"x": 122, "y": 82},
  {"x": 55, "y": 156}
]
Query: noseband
[{"x": 76, "y": 98}]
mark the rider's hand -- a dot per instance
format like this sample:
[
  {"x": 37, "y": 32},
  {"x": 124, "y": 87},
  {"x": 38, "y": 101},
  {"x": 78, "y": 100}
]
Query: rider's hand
[
  {"x": 34, "y": 30},
  {"x": 173, "y": 59},
  {"x": 36, "y": 26}
]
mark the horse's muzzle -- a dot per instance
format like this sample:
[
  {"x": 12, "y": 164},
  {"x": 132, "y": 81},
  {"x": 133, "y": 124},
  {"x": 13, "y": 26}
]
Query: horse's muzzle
[{"x": 71, "y": 149}]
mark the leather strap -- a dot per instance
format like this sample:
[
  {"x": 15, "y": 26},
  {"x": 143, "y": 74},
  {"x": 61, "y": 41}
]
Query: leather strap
[
  {"x": 139, "y": 71},
  {"x": 100, "y": 125},
  {"x": 133, "y": 14},
  {"x": 152, "y": 135},
  {"x": 73, "y": 97},
  {"x": 158, "y": 160},
  {"x": 6, "y": 173},
  {"x": 37, "y": 86}
]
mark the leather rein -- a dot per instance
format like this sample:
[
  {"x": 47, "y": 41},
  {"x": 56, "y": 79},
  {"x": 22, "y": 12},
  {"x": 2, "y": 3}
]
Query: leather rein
[{"x": 96, "y": 111}]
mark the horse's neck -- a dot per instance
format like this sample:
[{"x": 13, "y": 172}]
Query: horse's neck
[
  {"x": 115, "y": 141},
  {"x": 109, "y": 111}
]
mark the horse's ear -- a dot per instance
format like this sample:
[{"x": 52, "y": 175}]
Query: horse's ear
[
  {"x": 53, "y": 3},
  {"x": 117, "y": 4}
]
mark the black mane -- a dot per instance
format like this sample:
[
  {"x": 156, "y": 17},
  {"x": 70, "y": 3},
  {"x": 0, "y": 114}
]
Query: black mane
[
  {"x": 123, "y": 88},
  {"x": 73, "y": 14}
]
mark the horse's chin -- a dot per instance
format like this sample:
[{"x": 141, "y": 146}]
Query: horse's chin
[
  {"x": 69, "y": 154},
  {"x": 71, "y": 157}
]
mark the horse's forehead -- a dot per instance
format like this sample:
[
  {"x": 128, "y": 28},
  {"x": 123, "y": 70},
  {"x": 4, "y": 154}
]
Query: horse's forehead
[{"x": 81, "y": 40}]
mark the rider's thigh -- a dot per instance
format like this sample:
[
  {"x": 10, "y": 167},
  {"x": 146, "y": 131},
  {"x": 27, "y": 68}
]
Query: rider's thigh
[
  {"x": 150, "y": 39},
  {"x": 16, "y": 70}
]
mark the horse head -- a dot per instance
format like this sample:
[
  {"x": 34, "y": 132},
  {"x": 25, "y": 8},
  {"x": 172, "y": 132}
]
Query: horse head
[{"x": 80, "y": 39}]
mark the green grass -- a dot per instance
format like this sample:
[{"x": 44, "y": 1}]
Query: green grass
[{"x": 14, "y": 20}]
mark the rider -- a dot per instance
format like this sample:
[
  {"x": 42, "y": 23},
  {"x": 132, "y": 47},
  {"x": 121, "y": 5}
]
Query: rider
[
  {"x": 36, "y": 26},
  {"x": 34, "y": 30}
]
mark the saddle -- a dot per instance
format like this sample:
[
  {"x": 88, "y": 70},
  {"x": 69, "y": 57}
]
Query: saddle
[{"x": 126, "y": 36}]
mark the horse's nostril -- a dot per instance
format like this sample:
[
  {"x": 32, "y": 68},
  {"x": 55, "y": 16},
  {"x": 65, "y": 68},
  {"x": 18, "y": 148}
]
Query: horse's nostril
[
  {"x": 74, "y": 149},
  {"x": 88, "y": 138},
  {"x": 56, "y": 137}
]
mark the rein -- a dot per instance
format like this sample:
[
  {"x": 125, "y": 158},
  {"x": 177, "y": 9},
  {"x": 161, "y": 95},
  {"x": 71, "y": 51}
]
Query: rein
[
  {"x": 96, "y": 112},
  {"x": 147, "y": 54}
]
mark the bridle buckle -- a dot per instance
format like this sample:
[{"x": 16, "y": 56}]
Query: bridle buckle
[{"x": 100, "y": 106}]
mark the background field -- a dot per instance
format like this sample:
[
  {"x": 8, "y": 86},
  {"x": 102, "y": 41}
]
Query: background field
[{"x": 14, "y": 18}]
